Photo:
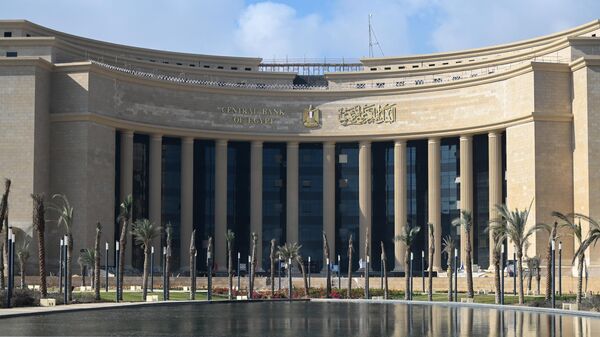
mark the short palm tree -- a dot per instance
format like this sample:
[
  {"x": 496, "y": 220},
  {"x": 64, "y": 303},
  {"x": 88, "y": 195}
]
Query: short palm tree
[
  {"x": 513, "y": 225},
  {"x": 124, "y": 220},
  {"x": 569, "y": 222},
  {"x": 22, "y": 252},
  {"x": 65, "y": 219},
  {"x": 448, "y": 245},
  {"x": 193, "y": 265},
  {"x": 552, "y": 231},
  {"x": 96, "y": 270},
  {"x": 272, "y": 258},
  {"x": 498, "y": 238},
  {"x": 291, "y": 251},
  {"x": 350, "y": 250},
  {"x": 328, "y": 270},
  {"x": 39, "y": 224},
  {"x": 407, "y": 237},
  {"x": 431, "y": 228},
  {"x": 87, "y": 258},
  {"x": 533, "y": 263},
  {"x": 229, "y": 238},
  {"x": 466, "y": 222},
  {"x": 254, "y": 238},
  {"x": 4, "y": 227},
  {"x": 144, "y": 232},
  {"x": 384, "y": 270}
]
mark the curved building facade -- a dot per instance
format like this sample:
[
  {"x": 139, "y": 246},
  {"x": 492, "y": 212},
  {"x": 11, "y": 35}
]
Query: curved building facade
[{"x": 214, "y": 143}]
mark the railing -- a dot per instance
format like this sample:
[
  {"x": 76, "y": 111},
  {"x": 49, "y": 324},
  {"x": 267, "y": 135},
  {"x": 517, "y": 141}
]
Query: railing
[
  {"x": 311, "y": 66},
  {"x": 409, "y": 81}
]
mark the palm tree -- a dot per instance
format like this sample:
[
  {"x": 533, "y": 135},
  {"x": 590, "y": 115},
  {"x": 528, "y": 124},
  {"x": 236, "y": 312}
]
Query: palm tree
[
  {"x": 1, "y": 264},
  {"x": 87, "y": 258},
  {"x": 65, "y": 219},
  {"x": 272, "y": 257},
  {"x": 96, "y": 270},
  {"x": 384, "y": 269},
  {"x": 253, "y": 263},
  {"x": 291, "y": 251},
  {"x": 328, "y": 270},
  {"x": 144, "y": 232},
  {"x": 350, "y": 250},
  {"x": 466, "y": 222},
  {"x": 513, "y": 225},
  {"x": 498, "y": 240},
  {"x": 448, "y": 245},
  {"x": 4, "y": 225},
  {"x": 124, "y": 219},
  {"x": 569, "y": 222},
  {"x": 431, "y": 255},
  {"x": 407, "y": 237},
  {"x": 23, "y": 254},
  {"x": 533, "y": 263},
  {"x": 229, "y": 237},
  {"x": 552, "y": 231},
  {"x": 39, "y": 224},
  {"x": 193, "y": 265}
]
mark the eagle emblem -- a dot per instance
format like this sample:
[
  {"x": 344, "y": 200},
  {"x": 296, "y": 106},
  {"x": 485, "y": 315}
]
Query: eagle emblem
[{"x": 311, "y": 117}]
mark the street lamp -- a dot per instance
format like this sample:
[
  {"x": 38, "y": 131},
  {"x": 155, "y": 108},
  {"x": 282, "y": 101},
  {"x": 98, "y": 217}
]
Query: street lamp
[
  {"x": 559, "y": 268},
  {"x": 165, "y": 286},
  {"x": 338, "y": 272},
  {"x": 279, "y": 270},
  {"x": 309, "y": 272},
  {"x": 423, "y": 269},
  {"x": 106, "y": 268},
  {"x": 10, "y": 268},
  {"x": 66, "y": 269},
  {"x": 553, "y": 273},
  {"x": 151, "y": 268},
  {"x": 290, "y": 278},
  {"x": 515, "y": 273},
  {"x": 456, "y": 275},
  {"x": 502, "y": 274},
  {"x": 238, "y": 272},
  {"x": 117, "y": 270},
  {"x": 367, "y": 278},
  {"x": 209, "y": 268},
  {"x": 249, "y": 272},
  {"x": 410, "y": 295},
  {"x": 60, "y": 266}
]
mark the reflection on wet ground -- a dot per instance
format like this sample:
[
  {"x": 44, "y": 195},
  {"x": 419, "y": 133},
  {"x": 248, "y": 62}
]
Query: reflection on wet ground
[{"x": 302, "y": 319}]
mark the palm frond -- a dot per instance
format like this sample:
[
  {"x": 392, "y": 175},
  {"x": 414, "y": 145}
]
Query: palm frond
[{"x": 145, "y": 231}]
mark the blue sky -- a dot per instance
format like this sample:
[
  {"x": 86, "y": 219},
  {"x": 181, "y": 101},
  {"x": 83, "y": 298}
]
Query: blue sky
[{"x": 305, "y": 28}]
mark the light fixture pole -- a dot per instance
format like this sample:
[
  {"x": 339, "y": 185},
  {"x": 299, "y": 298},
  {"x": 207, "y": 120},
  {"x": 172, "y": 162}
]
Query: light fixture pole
[
  {"x": 338, "y": 272},
  {"x": 66, "y": 269},
  {"x": 279, "y": 271},
  {"x": 106, "y": 268},
  {"x": 117, "y": 269},
  {"x": 249, "y": 273},
  {"x": 60, "y": 266},
  {"x": 410, "y": 295},
  {"x": 164, "y": 273},
  {"x": 309, "y": 272},
  {"x": 290, "y": 279},
  {"x": 151, "y": 269},
  {"x": 423, "y": 269},
  {"x": 238, "y": 272},
  {"x": 560, "y": 268},
  {"x": 502, "y": 274},
  {"x": 553, "y": 273},
  {"x": 209, "y": 268},
  {"x": 515, "y": 273},
  {"x": 456, "y": 275},
  {"x": 9, "y": 289},
  {"x": 381, "y": 267},
  {"x": 367, "y": 278}
]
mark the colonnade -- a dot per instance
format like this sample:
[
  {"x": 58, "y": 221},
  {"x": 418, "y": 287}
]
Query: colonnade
[{"x": 292, "y": 190}]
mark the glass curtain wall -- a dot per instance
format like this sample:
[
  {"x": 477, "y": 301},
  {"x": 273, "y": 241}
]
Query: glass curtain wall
[
  {"x": 274, "y": 199},
  {"x": 416, "y": 161},
  {"x": 141, "y": 154},
  {"x": 204, "y": 198},
  {"x": 118, "y": 201},
  {"x": 346, "y": 201},
  {"x": 480, "y": 201},
  {"x": 382, "y": 209},
  {"x": 311, "y": 204},
  {"x": 450, "y": 189},
  {"x": 171, "y": 195},
  {"x": 238, "y": 195}
]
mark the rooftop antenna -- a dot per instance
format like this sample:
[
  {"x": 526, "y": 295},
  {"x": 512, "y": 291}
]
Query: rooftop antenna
[{"x": 373, "y": 39}]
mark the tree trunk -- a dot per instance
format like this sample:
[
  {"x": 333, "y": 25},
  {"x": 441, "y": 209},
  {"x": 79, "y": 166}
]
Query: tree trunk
[
  {"x": 230, "y": 272},
  {"x": 450, "y": 272},
  {"x": 39, "y": 224},
  {"x": 4, "y": 223},
  {"x": 1, "y": 263},
  {"x": 328, "y": 270},
  {"x": 68, "y": 268},
  {"x": 253, "y": 264},
  {"x": 497, "y": 276},
  {"x": 350, "y": 248},
  {"x": 193, "y": 265},
  {"x": 122, "y": 248},
  {"x": 549, "y": 264},
  {"x": 97, "y": 262},
  {"x": 430, "y": 262},
  {"x": 301, "y": 265},
  {"x": 529, "y": 278},
  {"x": 272, "y": 257},
  {"x": 146, "y": 270},
  {"x": 22, "y": 266},
  {"x": 520, "y": 271},
  {"x": 469, "y": 266},
  {"x": 538, "y": 277},
  {"x": 406, "y": 273},
  {"x": 580, "y": 279},
  {"x": 384, "y": 269},
  {"x": 83, "y": 272}
]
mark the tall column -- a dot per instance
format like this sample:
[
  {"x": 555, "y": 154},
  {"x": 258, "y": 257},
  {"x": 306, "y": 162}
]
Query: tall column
[
  {"x": 400, "y": 213},
  {"x": 187, "y": 200},
  {"x": 256, "y": 199},
  {"x": 291, "y": 230},
  {"x": 155, "y": 187},
  {"x": 126, "y": 179},
  {"x": 495, "y": 182},
  {"x": 434, "y": 214},
  {"x": 466, "y": 190},
  {"x": 220, "y": 204},
  {"x": 364, "y": 196},
  {"x": 329, "y": 197}
]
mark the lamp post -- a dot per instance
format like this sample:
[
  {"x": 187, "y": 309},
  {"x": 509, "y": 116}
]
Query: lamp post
[
  {"x": 502, "y": 274},
  {"x": 164, "y": 273},
  {"x": 456, "y": 275},
  {"x": 410, "y": 294},
  {"x": 553, "y": 273},
  {"x": 60, "y": 266},
  {"x": 249, "y": 272},
  {"x": 106, "y": 268},
  {"x": 9, "y": 289},
  {"x": 290, "y": 279},
  {"x": 381, "y": 267},
  {"x": 66, "y": 269},
  {"x": 117, "y": 270},
  {"x": 209, "y": 268},
  {"x": 423, "y": 269},
  {"x": 279, "y": 271},
  {"x": 309, "y": 272},
  {"x": 152, "y": 269},
  {"x": 515, "y": 273},
  {"x": 367, "y": 278},
  {"x": 338, "y": 272},
  {"x": 559, "y": 268},
  {"x": 238, "y": 273}
]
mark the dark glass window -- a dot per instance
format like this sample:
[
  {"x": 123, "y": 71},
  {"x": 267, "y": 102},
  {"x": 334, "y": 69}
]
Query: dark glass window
[
  {"x": 171, "y": 194},
  {"x": 481, "y": 252},
  {"x": 7, "y": 34},
  {"x": 11, "y": 54},
  {"x": 238, "y": 194},
  {"x": 346, "y": 201},
  {"x": 274, "y": 198},
  {"x": 382, "y": 189},
  {"x": 310, "y": 204},
  {"x": 416, "y": 162},
  {"x": 141, "y": 154},
  {"x": 204, "y": 197},
  {"x": 450, "y": 187}
]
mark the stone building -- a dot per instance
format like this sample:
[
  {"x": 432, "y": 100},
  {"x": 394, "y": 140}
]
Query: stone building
[{"x": 292, "y": 150}]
